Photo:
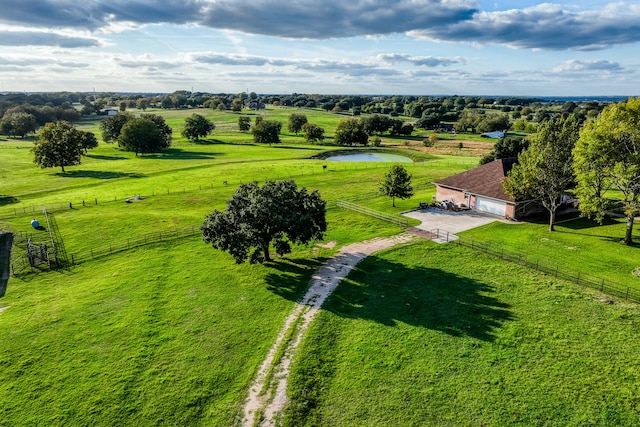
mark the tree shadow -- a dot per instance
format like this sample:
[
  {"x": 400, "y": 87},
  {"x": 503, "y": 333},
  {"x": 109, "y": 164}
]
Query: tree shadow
[
  {"x": 391, "y": 293},
  {"x": 585, "y": 223},
  {"x": 98, "y": 174},
  {"x": 178, "y": 154},
  {"x": 290, "y": 278},
  {"x": 99, "y": 157},
  {"x": 289, "y": 147},
  {"x": 7, "y": 200},
  {"x": 207, "y": 141}
]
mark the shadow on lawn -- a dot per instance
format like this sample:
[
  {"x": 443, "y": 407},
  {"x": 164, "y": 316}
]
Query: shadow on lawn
[
  {"x": 389, "y": 293},
  {"x": 98, "y": 174},
  {"x": 178, "y": 154},
  {"x": 99, "y": 157},
  {"x": 7, "y": 200},
  {"x": 290, "y": 278}
]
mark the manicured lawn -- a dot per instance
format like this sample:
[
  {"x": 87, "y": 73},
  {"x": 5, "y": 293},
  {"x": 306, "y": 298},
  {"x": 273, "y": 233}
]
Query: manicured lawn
[
  {"x": 168, "y": 334},
  {"x": 440, "y": 335},
  {"x": 173, "y": 333},
  {"x": 580, "y": 244}
]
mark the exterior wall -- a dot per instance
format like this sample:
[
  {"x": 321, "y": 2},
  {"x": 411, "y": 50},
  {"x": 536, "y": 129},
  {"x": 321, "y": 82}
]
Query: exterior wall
[{"x": 455, "y": 196}]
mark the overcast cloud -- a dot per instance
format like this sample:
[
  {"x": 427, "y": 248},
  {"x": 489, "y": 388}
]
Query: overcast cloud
[{"x": 376, "y": 46}]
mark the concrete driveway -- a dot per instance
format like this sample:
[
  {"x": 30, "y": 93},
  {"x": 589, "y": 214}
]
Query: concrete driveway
[{"x": 449, "y": 221}]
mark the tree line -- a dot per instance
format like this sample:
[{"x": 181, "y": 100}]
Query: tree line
[{"x": 599, "y": 162}]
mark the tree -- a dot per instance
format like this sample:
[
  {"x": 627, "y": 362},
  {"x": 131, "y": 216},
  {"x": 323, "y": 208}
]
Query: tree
[
  {"x": 312, "y": 133},
  {"x": 607, "y": 158},
  {"x": 162, "y": 126},
  {"x": 257, "y": 217},
  {"x": 396, "y": 183},
  {"x": 197, "y": 126},
  {"x": 244, "y": 123},
  {"x": 111, "y": 126},
  {"x": 143, "y": 104},
  {"x": 141, "y": 135},
  {"x": 296, "y": 121},
  {"x": 544, "y": 169},
  {"x": 266, "y": 132},
  {"x": 19, "y": 124},
  {"x": 506, "y": 148},
  {"x": 236, "y": 105},
  {"x": 350, "y": 132},
  {"x": 61, "y": 144}
]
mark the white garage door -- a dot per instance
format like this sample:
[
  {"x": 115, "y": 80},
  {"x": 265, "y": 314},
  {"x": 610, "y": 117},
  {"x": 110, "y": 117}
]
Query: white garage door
[{"x": 491, "y": 206}]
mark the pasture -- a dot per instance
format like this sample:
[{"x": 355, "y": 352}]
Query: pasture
[{"x": 172, "y": 333}]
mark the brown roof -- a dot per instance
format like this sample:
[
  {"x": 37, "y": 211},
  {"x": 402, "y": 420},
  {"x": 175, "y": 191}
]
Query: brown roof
[{"x": 485, "y": 180}]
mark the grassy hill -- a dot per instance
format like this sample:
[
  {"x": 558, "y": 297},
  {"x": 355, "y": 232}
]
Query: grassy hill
[{"x": 172, "y": 333}]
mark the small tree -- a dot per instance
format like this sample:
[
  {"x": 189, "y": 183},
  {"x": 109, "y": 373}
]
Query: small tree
[
  {"x": 312, "y": 133},
  {"x": 244, "y": 123},
  {"x": 197, "y": 126},
  {"x": 296, "y": 121},
  {"x": 257, "y": 217},
  {"x": 396, "y": 183},
  {"x": 141, "y": 135},
  {"x": 61, "y": 144},
  {"x": 266, "y": 132}
]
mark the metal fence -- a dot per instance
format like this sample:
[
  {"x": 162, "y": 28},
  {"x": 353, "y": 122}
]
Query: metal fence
[
  {"x": 132, "y": 242},
  {"x": 579, "y": 277},
  {"x": 305, "y": 169},
  {"x": 395, "y": 219}
]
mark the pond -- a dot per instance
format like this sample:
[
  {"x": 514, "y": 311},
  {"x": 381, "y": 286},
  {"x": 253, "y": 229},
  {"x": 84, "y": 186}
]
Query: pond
[{"x": 370, "y": 157}]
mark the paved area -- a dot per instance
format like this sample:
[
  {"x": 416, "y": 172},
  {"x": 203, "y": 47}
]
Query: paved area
[{"x": 449, "y": 221}]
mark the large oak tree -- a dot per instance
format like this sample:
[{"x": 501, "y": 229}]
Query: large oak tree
[
  {"x": 61, "y": 144},
  {"x": 257, "y": 217}
]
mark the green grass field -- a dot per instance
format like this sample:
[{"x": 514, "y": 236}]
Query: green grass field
[
  {"x": 440, "y": 335},
  {"x": 172, "y": 333}
]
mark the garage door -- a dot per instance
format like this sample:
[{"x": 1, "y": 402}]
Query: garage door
[{"x": 491, "y": 206}]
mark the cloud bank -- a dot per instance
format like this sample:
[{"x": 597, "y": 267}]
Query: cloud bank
[{"x": 546, "y": 26}]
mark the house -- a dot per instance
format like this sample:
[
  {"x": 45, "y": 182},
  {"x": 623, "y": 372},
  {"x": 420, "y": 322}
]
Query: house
[{"x": 481, "y": 189}]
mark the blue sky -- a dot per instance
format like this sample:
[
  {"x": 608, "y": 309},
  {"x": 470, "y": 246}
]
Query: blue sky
[{"x": 420, "y": 47}]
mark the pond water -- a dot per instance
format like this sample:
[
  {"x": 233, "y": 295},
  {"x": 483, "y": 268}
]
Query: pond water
[{"x": 370, "y": 157}]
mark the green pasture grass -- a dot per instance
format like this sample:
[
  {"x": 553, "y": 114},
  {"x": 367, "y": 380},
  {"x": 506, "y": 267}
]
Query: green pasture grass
[
  {"x": 577, "y": 243},
  {"x": 441, "y": 335},
  {"x": 167, "y": 334}
]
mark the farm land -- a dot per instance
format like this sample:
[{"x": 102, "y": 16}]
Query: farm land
[{"x": 173, "y": 332}]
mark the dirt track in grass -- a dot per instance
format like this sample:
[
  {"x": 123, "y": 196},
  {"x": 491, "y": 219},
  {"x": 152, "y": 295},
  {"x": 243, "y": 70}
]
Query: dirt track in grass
[{"x": 267, "y": 395}]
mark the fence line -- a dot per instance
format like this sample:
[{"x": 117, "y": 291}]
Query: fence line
[
  {"x": 576, "y": 276},
  {"x": 395, "y": 219},
  {"x": 132, "y": 242},
  {"x": 303, "y": 170}
]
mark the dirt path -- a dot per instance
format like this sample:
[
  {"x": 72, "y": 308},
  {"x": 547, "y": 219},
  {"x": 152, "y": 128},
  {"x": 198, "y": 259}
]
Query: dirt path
[{"x": 267, "y": 396}]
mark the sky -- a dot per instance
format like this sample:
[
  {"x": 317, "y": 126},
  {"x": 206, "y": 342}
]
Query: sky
[{"x": 385, "y": 47}]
